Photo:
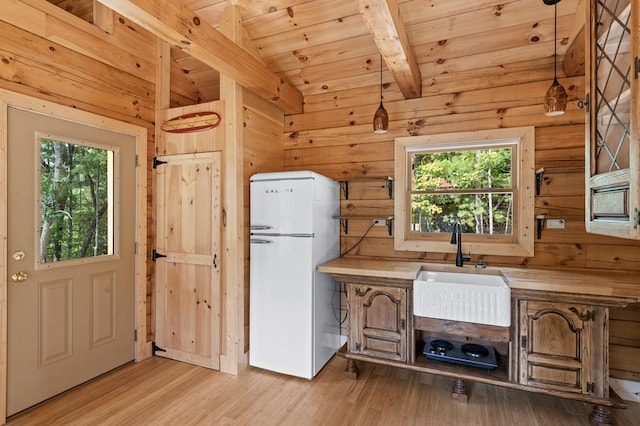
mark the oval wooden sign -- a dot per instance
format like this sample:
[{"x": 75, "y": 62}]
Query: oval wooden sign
[{"x": 194, "y": 122}]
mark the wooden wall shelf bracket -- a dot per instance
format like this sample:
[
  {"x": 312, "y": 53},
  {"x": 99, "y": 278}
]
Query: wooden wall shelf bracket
[
  {"x": 389, "y": 222},
  {"x": 390, "y": 187},
  {"x": 344, "y": 222},
  {"x": 344, "y": 186},
  {"x": 539, "y": 180},
  {"x": 540, "y": 224}
]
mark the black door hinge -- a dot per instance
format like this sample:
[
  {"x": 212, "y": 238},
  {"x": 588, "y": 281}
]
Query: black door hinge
[
  {"x": 591, "y": 387},
  {"x": 157, "y": 162},
  {"x": 523, "y": 342},
  {"x": 358, "y": 347},
  {"x": 637, "y": 66},
  {"x": 155, "y": 348},
  {"x": 403, "y": 324},
  {"x": 155, "y": 255}
]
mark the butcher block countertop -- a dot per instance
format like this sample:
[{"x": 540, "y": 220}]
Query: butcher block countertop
[{"x": 588, "y": 282}]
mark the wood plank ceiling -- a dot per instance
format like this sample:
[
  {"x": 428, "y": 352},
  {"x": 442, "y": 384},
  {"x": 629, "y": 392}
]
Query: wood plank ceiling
[{"x": 323, "y": 47}]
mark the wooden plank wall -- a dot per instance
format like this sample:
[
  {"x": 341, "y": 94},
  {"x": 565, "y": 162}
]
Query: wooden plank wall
[
  {"x": 262, "y": 142},
  {"x": 334, "y": 137},
  {"x": 49, "y": 54},
  {"x": 624, "y": 341}
]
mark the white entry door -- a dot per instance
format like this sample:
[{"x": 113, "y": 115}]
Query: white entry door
[{"x": 71, "y": 255}]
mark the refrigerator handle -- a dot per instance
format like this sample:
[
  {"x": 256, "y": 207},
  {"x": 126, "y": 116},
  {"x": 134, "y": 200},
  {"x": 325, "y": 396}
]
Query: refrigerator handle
[
  {"x": 259, "y": 241},
  {"x": 260, "y": 227}
]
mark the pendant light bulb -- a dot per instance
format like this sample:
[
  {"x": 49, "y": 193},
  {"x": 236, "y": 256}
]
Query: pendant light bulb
[
  {"x": 555, "y": 100},
  {"x": 380, "y": 118}
]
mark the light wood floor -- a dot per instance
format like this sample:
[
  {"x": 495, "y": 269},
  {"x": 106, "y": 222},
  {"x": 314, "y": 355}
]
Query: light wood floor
[{"x": 158, "y": 391}]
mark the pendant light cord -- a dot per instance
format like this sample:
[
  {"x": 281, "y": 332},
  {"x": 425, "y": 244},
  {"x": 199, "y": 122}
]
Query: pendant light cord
[
  {"x": 555, "y": 41},
  {"x": 381, "y": 79}
]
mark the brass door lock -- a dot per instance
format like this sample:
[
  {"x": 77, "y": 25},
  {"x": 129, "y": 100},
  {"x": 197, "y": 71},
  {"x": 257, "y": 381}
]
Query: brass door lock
[{"x": 19, "y": 277}]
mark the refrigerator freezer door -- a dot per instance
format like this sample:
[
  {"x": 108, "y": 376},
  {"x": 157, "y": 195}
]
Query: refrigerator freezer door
[
  {"x": 282, "y": 206},
  {"x": 281, "y": 317}
]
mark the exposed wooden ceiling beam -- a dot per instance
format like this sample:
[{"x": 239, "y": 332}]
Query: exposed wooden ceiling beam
[
  {"x": 171, "y": 21},
  {"x": 386, "y": 25},
  {"x": 574, "y": 60},
  {"x": 248, "y": 6}
]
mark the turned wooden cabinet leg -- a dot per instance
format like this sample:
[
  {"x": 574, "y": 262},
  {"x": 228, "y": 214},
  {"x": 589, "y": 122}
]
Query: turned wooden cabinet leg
[
  {"x": 459, "y": 390},
  {"x": 352, "y": 369},
  {"x": 601, "y": 415}
]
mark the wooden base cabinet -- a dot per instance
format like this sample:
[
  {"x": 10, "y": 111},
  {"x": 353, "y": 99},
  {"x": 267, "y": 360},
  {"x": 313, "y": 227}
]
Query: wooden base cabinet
[
  {"x": 380, "y": 321},
  {"x": 557, "y": 344},
  {"x": 562, "y": 347}
]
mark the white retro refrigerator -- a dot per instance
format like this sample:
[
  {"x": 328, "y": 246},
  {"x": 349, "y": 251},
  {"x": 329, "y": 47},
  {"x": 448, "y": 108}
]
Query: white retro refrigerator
[{"x": 294, "y": 325}]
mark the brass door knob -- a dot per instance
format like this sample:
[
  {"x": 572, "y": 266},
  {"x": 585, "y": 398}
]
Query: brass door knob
[{"x": 19, "y": 277}]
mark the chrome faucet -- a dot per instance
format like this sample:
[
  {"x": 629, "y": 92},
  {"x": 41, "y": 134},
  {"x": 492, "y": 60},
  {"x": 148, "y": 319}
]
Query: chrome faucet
[{"x": 456, "y": 238}]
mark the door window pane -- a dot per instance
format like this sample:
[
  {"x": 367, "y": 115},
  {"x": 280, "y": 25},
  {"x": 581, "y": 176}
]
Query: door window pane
[
  {"x": 613, "y": 86},
  {"x": 76, "y": 193}
]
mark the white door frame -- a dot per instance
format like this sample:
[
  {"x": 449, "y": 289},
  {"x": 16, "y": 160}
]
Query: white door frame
[{"x": 11, "y": 99}]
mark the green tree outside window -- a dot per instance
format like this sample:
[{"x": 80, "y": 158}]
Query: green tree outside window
[
  {"x": 473, "y": 187},
  {"x": 75, "y": 190}
]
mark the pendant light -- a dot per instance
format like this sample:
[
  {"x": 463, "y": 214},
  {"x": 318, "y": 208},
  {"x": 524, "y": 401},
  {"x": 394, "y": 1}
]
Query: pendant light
[
  {"x": 555, "y": 100},
  {"x": 381, "y": 118}
]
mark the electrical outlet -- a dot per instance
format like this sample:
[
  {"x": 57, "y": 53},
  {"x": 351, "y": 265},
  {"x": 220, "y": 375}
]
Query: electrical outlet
[
  {"x": 379, "y": 222},
  {"x": 555, "y": 223}
]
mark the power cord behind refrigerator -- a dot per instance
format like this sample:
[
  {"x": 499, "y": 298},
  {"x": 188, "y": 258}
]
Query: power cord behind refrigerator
[{"x": 360, "y": 240}]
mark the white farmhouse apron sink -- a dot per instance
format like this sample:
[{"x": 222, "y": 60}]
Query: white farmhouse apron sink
[{"x": 457, "y": 296}]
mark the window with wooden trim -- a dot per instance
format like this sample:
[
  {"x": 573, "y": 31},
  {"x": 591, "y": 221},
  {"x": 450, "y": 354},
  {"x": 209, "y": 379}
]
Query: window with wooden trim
[{"x": 484, "y": 180}]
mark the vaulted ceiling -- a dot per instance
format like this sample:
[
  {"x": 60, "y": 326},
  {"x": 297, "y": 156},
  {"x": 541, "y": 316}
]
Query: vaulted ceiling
[
  {"x": 323, "y": 46},
  {"x": 320, "y": 47}
]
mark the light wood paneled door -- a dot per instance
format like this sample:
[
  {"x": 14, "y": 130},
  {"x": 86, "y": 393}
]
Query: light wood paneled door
[
  {"x": 71, "y": 254},
  {"x": 188, "y": 278}
]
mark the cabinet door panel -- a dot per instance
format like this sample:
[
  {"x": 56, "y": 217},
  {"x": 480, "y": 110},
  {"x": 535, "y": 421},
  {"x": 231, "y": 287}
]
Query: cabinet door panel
[
  {"x": 554, "y": 345},
  {"x": 378, "y": 324},
  {"x": 553, "y": 335},
  {"x": 564, "y": 377}
]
